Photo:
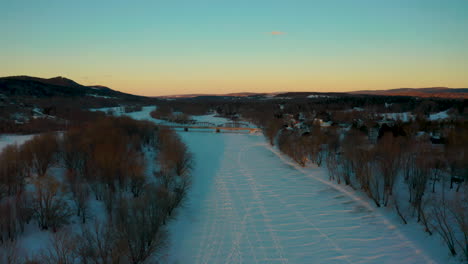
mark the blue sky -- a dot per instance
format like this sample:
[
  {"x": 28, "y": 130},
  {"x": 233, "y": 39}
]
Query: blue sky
[{"x": 199, "y": 46}]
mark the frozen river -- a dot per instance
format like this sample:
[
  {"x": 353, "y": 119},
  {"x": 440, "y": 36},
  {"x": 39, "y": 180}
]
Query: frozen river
[{"x": 249, "y": 205}]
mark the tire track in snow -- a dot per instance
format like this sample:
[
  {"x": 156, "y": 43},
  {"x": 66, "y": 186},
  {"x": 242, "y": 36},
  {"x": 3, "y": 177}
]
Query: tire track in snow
[
  {"x": 240, "y": 232},
  {"x": 353, "y": 196},
  {"x": 261, "y": 208},
  {"x": 235, "y": 249},
  {"x": 228, "y": 213},
  {"x": 214, "y": 238},
  {"x": 317, "y": 229},
  {"x": 205, "y": 243},
  {"x": 256, "y": 194}
]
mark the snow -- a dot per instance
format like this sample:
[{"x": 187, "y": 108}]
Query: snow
[
  {"x": 211, "y": 118},
  {"x": 405, "y": 116},
  {"x": 249, "y": 204},
  {"x": 7, "y": 139},
  {"x": 317, "y": 96},
  {"x": 273, "y": 97},
  {"x": 101, "y": 96},
  {"x": 34, "y": 240},
  {"x": 144, "y": 114},
  {"x": 117, "y": 111},
  {"x": 439, "y": 116}
]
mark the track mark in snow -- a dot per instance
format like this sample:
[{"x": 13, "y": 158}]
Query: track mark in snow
[
  {"x": 365, "y": 204},
  {"x": 331, "y": 241},
  {"x": 258, "y": 207}
]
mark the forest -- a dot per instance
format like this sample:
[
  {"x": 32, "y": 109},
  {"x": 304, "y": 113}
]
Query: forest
[{"x": 104, "y": 190}]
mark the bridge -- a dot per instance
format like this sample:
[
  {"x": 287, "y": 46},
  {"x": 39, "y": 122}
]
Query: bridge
[
  {"x": 235, "y": 124},
  {"x": 229, "y": 126}
]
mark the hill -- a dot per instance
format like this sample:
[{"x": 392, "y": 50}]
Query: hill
[
  {"x": 53, "y": 87},
  {"x": 442, "y": 92},
  {"x": 439, "y": 92}
]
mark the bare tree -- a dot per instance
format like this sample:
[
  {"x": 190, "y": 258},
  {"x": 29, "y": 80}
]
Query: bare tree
[
  {"x": 389, "y": 155},
  {"x": 354, "y": 142},
  {"x": 315, "y": 146},
  {"x": 41, "y": 152},
  {"x": 332, "y": 166},
  {"x": 295, "y": 146},
  {"x": 176, "y": 164},
  {"x": 51, "y": 210},
  {"x": 438, "y": 166},
  {"x": 75, "y": 150},
  {"x": 139, "y": 222},
  {"x": 172, "y": 153},
  {"x": 23, "y": 208},
  {"x": 419, "y": 179},
  {"x": 456, "y": 156},
  {"x": 459, "y": 211},
  {"x": 100, "y": 244},
  {"x": 370, "y": 181},
  {"x": 399, "y": 211},
  {"x": 62, "y": 249},
  {"x": 376, "y": 189},
  {"x": 80, "y": 194},
  {"x": 135, "y": 169},
  {"x": 443, "y": 225},
  {"x": 10, "y": 253},
  {"x": 110, "y": 199},
  {"x": 271, "y": 129},
  {"x": 13, "y": 170}
]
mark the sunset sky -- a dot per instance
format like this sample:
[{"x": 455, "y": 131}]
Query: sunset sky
[{"x": 199, "y": 46}]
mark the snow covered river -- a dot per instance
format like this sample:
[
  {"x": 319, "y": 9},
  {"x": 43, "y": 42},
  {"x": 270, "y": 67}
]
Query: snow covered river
[{"x": 248, "y": 204}]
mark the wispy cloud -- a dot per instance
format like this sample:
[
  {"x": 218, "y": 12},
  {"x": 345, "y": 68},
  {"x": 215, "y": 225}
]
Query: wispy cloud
[{"x": 276, "y": 33}]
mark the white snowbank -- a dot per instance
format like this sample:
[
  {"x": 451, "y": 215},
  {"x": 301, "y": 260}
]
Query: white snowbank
[
  {"x": 144, "y": 114},
  {"x": 405, "y": 116},
  {"x": 101, "y": 96},
  {"x": 317, "y": 96},
  {"x": 439, "y": 116},
  {"x": 7, "y": 139}
]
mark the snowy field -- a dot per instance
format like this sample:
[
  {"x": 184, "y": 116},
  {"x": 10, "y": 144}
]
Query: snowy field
[{"x": 248, "y": 204}]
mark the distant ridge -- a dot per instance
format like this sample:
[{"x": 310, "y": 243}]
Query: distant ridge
[
  {"x": 437, "y": 92},
  {"x": 57, "y": 86},
  {"x": 61, "y": 86},
  {"x": 240, "y": 94},
  {"x": 58, "y": 81},
  {"x": 442, "y": 92}
]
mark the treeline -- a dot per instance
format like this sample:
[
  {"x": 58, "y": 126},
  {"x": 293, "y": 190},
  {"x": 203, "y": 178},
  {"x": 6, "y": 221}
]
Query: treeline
[
  {"x": 59, "y": 120},
  {"x": 16, "y": 113},
  {"x": 166, "y": 113},
  {"x": 55, "y": 180}
]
